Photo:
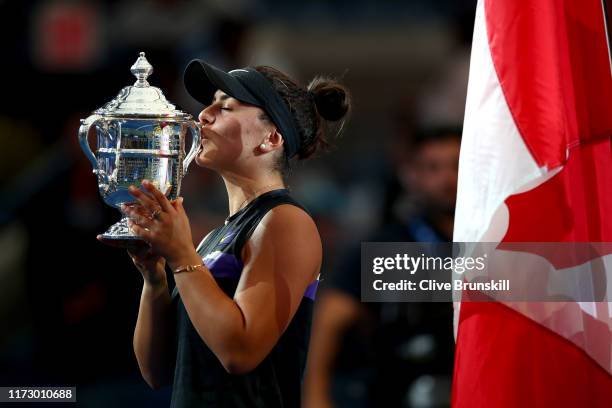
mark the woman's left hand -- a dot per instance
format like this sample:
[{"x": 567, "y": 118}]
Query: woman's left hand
[{"x": 163, "y": 224}]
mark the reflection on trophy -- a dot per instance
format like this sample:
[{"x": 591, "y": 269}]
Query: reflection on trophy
[{"x": 140, "y": 135}]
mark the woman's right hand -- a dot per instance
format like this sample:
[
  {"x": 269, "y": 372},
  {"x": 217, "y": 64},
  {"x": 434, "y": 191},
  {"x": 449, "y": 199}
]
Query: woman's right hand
[{"x": 151, "y": 265}]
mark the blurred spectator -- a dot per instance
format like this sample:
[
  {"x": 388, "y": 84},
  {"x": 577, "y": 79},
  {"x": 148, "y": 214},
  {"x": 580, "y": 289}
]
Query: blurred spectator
[
  {"x": 67, "y": 311},
  {"x": 391, "y": 354}
]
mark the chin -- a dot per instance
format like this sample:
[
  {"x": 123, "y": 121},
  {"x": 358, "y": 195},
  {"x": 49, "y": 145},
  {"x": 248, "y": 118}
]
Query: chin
[
  {"x": 205, "y": 162},
  {"x": 201, "y": 161}
]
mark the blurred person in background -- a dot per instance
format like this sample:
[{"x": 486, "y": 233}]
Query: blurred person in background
[
  {"x": 391, "y": 354},
  {"x": 234, "y": 332},
  {"x": 77, "y": 53}
]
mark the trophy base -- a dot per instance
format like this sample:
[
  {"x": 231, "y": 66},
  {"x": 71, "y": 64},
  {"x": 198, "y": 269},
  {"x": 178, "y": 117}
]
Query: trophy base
[{"x": 120, "y": 235}]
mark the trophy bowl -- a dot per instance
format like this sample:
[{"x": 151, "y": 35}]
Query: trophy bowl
[{"x": 139, "y": 135}]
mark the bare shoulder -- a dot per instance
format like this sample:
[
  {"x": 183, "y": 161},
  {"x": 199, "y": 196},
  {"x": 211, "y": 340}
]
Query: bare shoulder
[
  {"x": 286, "y": 224},
  {"x": 289, "y": 218},
  {"x": 290, "y": 222},
  {"x": 290, "y": 230}
]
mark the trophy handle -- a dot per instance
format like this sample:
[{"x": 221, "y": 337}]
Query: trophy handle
[
  {"x": 84, "y": 142},
  {"x": 195, "y": 145}
]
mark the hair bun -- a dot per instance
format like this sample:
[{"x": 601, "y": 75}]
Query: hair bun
[{"x": 331, "y": 98}]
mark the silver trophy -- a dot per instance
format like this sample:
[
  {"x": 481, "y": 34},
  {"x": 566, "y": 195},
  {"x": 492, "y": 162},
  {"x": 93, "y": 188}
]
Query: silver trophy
[{"x": 140, "y": 135}]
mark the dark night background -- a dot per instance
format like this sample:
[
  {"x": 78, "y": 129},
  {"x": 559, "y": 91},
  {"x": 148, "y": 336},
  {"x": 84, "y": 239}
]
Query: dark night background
[{"x": 67, "y": 303}]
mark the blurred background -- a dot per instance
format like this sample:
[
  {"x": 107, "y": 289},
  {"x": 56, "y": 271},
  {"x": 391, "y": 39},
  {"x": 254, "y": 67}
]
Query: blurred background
[{"x": 68, "y": 304}]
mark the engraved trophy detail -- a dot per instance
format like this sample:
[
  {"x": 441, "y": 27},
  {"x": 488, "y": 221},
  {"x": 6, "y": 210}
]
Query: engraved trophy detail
[{"x": 140, "y": 135}]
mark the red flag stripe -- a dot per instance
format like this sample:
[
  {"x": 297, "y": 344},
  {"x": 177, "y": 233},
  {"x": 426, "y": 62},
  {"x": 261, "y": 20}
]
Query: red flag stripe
[
  {"x": 506, "y": 360},
  {"x": 552, "y": 62}
]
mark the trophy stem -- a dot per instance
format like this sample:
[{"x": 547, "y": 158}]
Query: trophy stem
[{"x": 122, "y": 235}]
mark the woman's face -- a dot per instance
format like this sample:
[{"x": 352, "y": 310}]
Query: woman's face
[{"x": 231, "y": 133}]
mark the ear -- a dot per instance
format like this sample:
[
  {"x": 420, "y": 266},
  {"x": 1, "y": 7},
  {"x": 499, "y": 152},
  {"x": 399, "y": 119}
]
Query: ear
[{"x": 274, "y": 140}]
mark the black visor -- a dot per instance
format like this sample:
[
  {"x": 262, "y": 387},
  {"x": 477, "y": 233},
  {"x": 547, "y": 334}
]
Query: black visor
[{"x": 246, "y": 85}]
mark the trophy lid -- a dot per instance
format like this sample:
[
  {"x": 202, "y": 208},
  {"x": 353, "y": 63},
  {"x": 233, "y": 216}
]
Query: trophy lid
[{"x": 141, "y": 99}]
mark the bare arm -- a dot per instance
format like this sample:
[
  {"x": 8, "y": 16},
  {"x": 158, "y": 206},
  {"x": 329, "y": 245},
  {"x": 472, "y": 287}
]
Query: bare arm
[
  {"x": 155, "y": 326},
  {"x": 153, "y": 335},
  {"x": 334, "y": 312},
  {"x": 282, "y": 257}
]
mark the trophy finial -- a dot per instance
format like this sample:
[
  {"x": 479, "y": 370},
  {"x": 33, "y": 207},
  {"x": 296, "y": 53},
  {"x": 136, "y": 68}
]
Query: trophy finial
[{"x": 141, "y": 70}]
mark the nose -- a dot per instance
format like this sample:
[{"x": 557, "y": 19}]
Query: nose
[{"x": 206, "y": 117}]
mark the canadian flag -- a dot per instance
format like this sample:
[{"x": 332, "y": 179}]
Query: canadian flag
[{"x": 536, "y": 166}]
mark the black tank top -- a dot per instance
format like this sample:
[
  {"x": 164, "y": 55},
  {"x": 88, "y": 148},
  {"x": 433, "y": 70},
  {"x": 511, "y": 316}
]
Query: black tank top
[{"x": 199, "y": 378}]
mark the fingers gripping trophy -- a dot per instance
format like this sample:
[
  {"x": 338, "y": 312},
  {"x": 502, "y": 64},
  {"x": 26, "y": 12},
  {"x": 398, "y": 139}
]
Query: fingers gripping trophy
[{"x": 139, "y": 136}]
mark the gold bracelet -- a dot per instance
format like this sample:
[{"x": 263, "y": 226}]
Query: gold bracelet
[{"x": 188, "y": 268}]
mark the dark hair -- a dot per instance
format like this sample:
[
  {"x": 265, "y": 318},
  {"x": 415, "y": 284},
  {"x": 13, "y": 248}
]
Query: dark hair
[{"x": 318, "y": 109}]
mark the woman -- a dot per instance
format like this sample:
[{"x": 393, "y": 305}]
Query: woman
[{"x": 234, "y": 333}]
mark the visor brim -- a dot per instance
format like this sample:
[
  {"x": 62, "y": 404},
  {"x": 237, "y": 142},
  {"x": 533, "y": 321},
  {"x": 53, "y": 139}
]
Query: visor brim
[{"x": 202, "y": 80}]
